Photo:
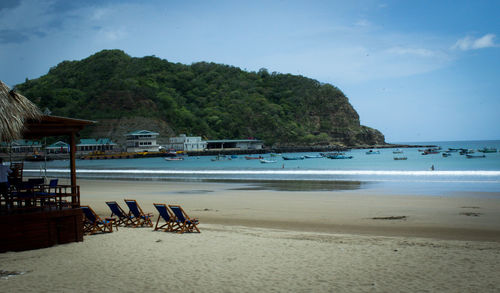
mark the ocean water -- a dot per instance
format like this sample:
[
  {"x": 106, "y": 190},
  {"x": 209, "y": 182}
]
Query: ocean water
[{"x": 376, "y": 172}]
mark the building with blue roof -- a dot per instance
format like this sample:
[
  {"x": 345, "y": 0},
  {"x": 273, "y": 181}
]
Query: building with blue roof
[
  {"x": 88, "y": 145},
  {"x": 59, "y": 147},
  {"x": 22, "y": 146}
]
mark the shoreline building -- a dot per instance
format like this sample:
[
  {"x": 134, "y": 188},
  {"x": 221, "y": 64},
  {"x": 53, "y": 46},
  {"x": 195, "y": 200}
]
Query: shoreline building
[
  {"x": 59, "y": 147},
  {"x": 142, "y": 141},
  {"x": 22, "y": 146},
  {"x": 88, "y": 145},
  {"x": 186, "y": 143}
]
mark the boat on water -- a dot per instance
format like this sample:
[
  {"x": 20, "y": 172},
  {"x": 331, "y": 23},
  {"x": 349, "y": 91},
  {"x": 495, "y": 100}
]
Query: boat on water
[
  {"x": 274, "y": 155},
  {"x": 338, "y": 157},
  {"x": 174, "y": 159},
  {"x": 397, "y": 151},
  {"x": 264, "y": 161},
  {"x": 372, "y": 152},
  {"x": 466, "y": 151},
  {"x": 253, "y": 158},
  {"x": 313, "y": 156},
  {"x": 293, "y": 158},
  {"x": 400, "y": 158},
  {"x": 487, "y": 150},
  {"x": 430, "y": 152},
  {"x": 445, "y": 155},
  {"x": 475, "y": 156}
]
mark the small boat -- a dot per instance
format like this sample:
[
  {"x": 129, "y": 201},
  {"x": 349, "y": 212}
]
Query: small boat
[
  {"x": 445, "y": 155},
  {"x": 338, "y": 157},
  {"x": 313, "y": 156},
  {"x": 331, "y": 154},
  {"x": 173, "y": 159},
  {"x": 487, "y": 150},
  {"x": 475, "y": 156},
  {"x": 274, "y": 155},
  {"x": 397, "y": 151},
  {"x": 253, "y": 158},
  {"x": 466, "y": 151},
  {"x": 372, "y": 152},
  {"x": 293, "y": 158},
  {"x": 400, "y": 158},
  {"x": 264, "y": 161}
]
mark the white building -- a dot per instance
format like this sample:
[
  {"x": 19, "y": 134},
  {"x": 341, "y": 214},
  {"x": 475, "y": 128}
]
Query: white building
[
  {"x": 186, "y": 143},
  {"x": 142, "y": 141}
]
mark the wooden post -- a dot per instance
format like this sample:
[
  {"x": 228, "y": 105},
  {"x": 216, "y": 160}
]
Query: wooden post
[{"x": 72, "y": 163}]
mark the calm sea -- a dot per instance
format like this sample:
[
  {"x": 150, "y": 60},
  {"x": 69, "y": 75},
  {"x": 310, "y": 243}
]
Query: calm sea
[{"x": 376, "y": 172}]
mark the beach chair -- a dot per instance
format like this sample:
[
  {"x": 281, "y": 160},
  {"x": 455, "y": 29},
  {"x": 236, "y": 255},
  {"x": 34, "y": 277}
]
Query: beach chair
[
  {"x": 139, "y": 217},
  {"x": 170, "y": 224},
  {"x": 185, "y": 223},
  {"x": 92, "y": 223},
  {"x": 123, "y": 218}
]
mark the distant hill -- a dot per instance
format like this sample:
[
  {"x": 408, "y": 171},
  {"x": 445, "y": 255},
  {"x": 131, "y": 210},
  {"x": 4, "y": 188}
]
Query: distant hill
[{"x": 203, "y": 99}]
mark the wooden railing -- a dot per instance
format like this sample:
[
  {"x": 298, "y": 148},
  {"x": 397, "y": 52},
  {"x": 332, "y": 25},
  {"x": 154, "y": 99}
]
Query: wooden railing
[{"x": 40, "y": 198}]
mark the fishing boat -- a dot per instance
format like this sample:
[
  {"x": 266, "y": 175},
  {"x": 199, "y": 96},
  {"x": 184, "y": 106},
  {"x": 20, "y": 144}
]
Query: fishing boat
[
  {"x": 466, "y": 151},
  {"x": 313, "y": 156},
  {"x": 174, "y": 159},
  {"x": 293, "y": 158},
  {"x": 487, "y": 150},
  {"x": 338, "y": 157},
  {"x": 475, "y": 156},
  {"x": 264, "y": 161},
  {"x": 400, "y": 158},
  {"x": 372, "y": 152},
  {"x": 253, "y": 158}
]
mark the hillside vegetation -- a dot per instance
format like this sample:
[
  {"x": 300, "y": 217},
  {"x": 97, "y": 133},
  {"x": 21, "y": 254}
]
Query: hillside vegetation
[{"x": 203, "y": 99}]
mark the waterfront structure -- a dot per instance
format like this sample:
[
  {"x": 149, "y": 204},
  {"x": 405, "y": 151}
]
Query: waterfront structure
[
  {"x": 22, "y": 146},
  {"x": 142, "y": 141},
  {"x": 88, "y": 145},
  {"x": 240, "y": 144},
  {"x": 59, "y": 147},
  {"x": 186, "y": 143}
]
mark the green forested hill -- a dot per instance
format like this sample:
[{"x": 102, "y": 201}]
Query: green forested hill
[{"x": 203, "y": 99}]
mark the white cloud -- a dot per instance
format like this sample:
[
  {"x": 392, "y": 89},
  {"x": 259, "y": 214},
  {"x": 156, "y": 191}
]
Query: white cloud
[
  {"x": 412, "y": 51},
  {"x": 470, "y": 43}
]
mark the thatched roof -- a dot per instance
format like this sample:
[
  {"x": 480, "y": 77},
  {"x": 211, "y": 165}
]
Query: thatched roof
[{"x": 14, "y": 110}]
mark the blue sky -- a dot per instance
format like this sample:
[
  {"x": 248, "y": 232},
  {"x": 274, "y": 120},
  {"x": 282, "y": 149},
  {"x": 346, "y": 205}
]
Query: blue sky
[{"x": 415, "y": 70}]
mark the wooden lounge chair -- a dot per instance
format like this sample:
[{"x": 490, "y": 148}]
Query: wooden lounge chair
[
  {"x": 92, "y": 223},
  {"x": 123, "y": 218},
  {"x": 186, "y": 224},
  {"x": 170, "y": 224},
  {"x": 140, "y": 218}
]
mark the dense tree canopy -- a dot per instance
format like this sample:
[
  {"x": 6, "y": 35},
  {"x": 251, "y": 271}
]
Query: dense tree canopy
[{"x": 206, "y": 99}]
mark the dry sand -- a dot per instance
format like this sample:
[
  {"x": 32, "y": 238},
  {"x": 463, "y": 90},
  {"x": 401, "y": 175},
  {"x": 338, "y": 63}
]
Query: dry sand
[{"x": 270, "y": 241}]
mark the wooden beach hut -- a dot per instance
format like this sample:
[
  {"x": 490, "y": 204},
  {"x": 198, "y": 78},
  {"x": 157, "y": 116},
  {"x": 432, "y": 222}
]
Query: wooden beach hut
[{"x": 32, "y": 217}]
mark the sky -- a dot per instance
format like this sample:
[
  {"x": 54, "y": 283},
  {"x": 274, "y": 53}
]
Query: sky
[{"x": 425, "y": 70}]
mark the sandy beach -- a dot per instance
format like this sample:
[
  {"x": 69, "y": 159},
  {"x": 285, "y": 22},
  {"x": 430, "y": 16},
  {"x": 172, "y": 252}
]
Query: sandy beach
[{"x": 259, "y": 240}]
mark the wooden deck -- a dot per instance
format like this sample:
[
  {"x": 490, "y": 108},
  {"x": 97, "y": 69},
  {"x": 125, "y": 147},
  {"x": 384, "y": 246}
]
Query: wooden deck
[
  {"x": 31, "y": 220},
  {"x": 25, "y": 231}
]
